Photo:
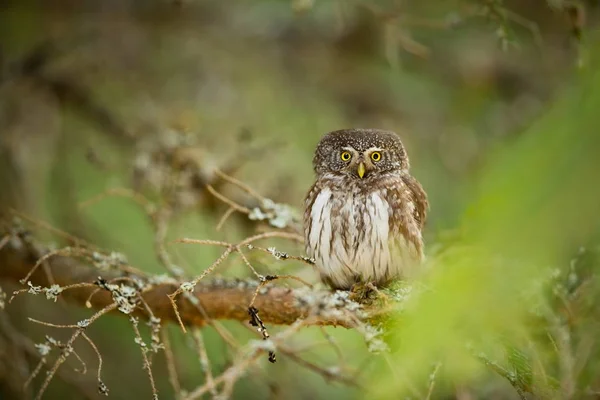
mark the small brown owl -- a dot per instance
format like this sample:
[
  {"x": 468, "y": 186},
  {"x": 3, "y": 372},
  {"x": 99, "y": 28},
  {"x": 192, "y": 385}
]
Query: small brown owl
[{"x": 364, "y": 214}]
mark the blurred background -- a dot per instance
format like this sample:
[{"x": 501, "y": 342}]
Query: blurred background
[{"x": 494, "y": 100}]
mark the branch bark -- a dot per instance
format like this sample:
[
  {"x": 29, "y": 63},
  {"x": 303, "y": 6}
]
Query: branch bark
[{"x": 217, "y": 299}]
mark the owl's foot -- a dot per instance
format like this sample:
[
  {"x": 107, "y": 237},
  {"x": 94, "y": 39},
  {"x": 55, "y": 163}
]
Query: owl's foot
[
  {"x": 371, "y": 286},
  {"x": 362, "y": 291},
  {"x": 379, "y": 294}
]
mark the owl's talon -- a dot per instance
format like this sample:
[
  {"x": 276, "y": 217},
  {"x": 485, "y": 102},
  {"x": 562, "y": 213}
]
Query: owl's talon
[
  {"x": 382, "y": 296},
  {"x": 361, "y": 291}
]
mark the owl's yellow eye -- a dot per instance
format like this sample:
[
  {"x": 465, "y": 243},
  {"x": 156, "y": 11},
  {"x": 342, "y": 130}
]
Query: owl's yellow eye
[
  {"x": 375, "y": 156},
  {"x": 345, "y": 156}
]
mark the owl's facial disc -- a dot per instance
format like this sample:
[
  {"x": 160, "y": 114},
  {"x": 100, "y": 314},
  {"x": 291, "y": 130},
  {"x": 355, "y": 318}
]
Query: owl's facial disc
[
  {"x": 340, "y": 152},
  {"x": 359, "y": 163}
]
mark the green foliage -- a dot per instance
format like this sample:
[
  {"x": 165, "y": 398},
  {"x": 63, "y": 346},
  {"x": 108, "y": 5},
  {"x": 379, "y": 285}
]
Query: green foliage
[{"x": 489, "y": 292}]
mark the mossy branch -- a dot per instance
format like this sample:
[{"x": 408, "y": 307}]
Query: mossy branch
[{"x": 217, "y": 299}]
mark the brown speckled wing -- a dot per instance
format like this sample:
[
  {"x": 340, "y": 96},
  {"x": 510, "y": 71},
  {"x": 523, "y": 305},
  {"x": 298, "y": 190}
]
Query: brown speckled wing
[
  {"x": 408, "y": 203},
  {"x": 419, "y": 198}
]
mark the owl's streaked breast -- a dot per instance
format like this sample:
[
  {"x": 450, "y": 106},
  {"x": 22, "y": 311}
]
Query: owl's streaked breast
[{"x": 348, "y": 235}]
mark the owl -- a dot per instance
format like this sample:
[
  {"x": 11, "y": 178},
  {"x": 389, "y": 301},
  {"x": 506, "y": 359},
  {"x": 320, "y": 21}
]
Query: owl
[{"x": 364, "y": 214}]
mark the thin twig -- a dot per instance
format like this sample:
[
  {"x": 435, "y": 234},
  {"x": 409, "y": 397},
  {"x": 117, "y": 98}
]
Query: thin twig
[
  {"x": 241, "y": 185},
  {"x": 269, "y": 235},
  {"x": 334, "y": 344},
  {"x": 224, "y": 218},
  {"x": 204, "y": 361},
  {"x": 247, "y": 263},
  {"x": 67, "y": 251},
  {"x": 170, "y": 359},
  {"x": 202, "y": 241},
  {"x": 144, "y": 349},
  {"x": 193, "y": 283},
  {"x": 101, "y": 386},
  {"x": 35, "y": 372},
  {"x": 281, "y": 255},
  {"x": 68, "y": 348},
  {"x": 229, "y": 202},
  {"x": 44, "y": 225},
  {"x": 432, "y": 380},
  {"x": 136, "y": 197},
  {"x": 329, "y": 374},
  {"x": 239, "y": 367}
]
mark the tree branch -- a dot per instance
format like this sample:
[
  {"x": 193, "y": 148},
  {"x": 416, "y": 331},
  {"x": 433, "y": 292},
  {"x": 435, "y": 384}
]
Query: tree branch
[{"x": 219, "y": 299}]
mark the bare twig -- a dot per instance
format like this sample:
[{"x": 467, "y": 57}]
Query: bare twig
[
  {"x": 101, "y": 386},
  {"x": 329, "y": 374},
  {"x": 134, "y": 196},
  {"x": 224, "y": 218},
  {"x": 144, "y": 349},
  {"x": 69, "y": 348},
  {"x": 246, "y": 359},
  {"x": 204, "y": 361},
  {"x": 240, "y": 185},
  {"x": 432, "y": 377},
  {"x": 170, "y": 358},
  {"x": 229, "y": 202},
  {"x": 74, "y": 240}
]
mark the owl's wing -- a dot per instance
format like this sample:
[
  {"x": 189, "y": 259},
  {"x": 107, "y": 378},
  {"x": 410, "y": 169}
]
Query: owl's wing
[
  {"x": 418, "y": 197},
  {"x": 408, "y": 203}
]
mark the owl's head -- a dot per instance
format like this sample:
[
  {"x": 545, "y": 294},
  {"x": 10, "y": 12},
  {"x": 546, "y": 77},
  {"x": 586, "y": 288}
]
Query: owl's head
[{"x": 360, "y": 153}]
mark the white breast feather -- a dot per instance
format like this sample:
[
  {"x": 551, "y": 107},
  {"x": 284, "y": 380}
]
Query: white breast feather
[
  {"x": 318, "y": 242},
  {"x": 374, "y": 257}
]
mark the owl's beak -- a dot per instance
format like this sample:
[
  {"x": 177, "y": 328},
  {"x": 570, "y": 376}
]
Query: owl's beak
[{"x": 361, "y": 170}]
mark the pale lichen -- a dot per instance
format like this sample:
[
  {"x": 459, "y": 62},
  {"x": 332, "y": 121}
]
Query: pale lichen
[
  {"x": 107, "y": 261},
  {"x": 126, "y": 297},
  {"x": 52, "y": 292},
  {"x": 43, "y": 348},
  {"x": 83, "y": 323},
  {"x": 373, "y": 338},
  {"x": 187, "y": 286},
  {"x": 34, "y": 289},
  {"x": 336, "y": 305},
  {"x": 276, "y": 214},
  {"x": 279, "y": 255}
]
